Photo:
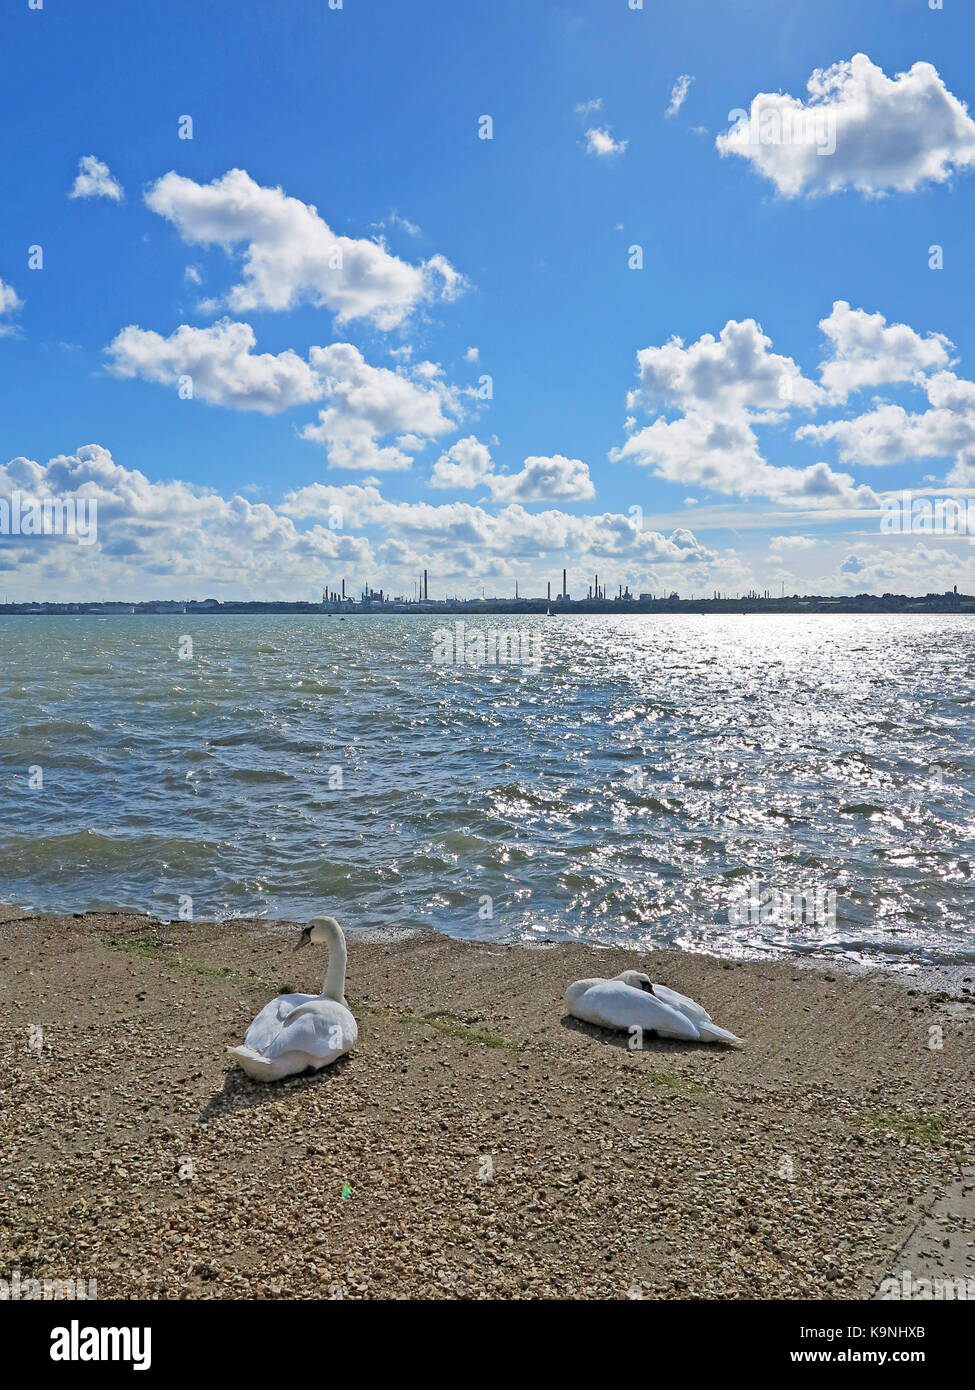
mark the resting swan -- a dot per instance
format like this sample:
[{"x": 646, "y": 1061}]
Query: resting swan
[
  {"x": 296, "y": 1031},
  {"x": 632, "y": 1001}
]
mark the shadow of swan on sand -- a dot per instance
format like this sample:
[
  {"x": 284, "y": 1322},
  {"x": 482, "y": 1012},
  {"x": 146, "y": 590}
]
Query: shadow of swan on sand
[
  {"x": 619, "y": 1038},
  {"x": 241, "y": 1092}
]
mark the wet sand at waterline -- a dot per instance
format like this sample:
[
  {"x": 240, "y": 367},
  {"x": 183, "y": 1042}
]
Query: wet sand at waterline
[{"x": 477, "y": 1142}]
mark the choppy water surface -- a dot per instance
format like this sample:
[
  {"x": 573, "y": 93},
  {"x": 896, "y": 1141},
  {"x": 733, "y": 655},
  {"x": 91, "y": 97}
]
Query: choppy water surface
[{"x": 624, "y": 791}]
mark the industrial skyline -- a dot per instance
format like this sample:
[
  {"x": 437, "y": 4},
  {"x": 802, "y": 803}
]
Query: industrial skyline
[{"x": 377, "y": 602}]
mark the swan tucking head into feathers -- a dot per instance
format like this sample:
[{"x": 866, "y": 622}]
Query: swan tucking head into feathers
[{"x": 637, "y": 979}]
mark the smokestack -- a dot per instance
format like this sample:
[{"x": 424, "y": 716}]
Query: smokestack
[
  {"x": 425, "y": 593},
  {"x": 343, "y": 590},
  {"x": 596, "y": 587},
  {"x": 550, "y": 591},
  {"x": 564, "y": 589}
]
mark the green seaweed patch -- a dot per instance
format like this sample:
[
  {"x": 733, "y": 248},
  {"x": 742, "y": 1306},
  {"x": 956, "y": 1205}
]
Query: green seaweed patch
[
  {"x": 915, "y": 1129},
  {"x": 444, "y": 1023},
  {"x": 451, "y": 1027},
  {"x": 146, "y": 948}
]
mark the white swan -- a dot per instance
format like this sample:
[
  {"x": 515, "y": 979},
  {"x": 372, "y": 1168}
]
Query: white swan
[
  {"x": 632, "y": 1001},
  {"x": 296, "y": 1031}
]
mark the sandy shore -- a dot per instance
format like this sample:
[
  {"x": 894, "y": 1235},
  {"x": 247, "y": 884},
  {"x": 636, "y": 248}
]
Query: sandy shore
[{"x": 477, "y": 1143}]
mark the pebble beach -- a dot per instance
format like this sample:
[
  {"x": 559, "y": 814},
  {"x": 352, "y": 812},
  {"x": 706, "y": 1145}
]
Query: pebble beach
[{"x": 478, "y": 1142}]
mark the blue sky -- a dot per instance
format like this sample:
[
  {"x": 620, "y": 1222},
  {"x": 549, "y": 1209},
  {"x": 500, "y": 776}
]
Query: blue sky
[{"x": 517, "y": 246}]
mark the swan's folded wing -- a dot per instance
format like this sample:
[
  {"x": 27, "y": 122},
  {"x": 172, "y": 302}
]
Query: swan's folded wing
[
  {"x": 616, "y": 1005},
  {"x": 268, "y": 1022},
  {"x": 320, "y": 1028},
  {"x": 680, "y": 1001}
]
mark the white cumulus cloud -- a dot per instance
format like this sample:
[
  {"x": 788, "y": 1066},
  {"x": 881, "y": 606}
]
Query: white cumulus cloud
[
  {"x": 468, "y": 463},
  {"x": 544, "y": 478},
  {"x": 221, "y": 365},
  {"x": 511, "y": 533},
  {"x": 10, "y": 302},
  {"x": 723, "y": 388},
  {"x": 890, "y": 434},
  {"x": 599, "y": 141},
  {"x": 464, "y": 465},
  {"x": 168, "y": 539},
  {"x": 369, "y": 403},
  {"x": 95, "y": 181},
  {"x": 291, "y": 256},
  {"x": 859, "y": 129},
  {"x": 366, "y": 404},
  {"x": 731, "y": 373},
  {"x": 781, "y": 543},
  {"x": 867, "y": 351}
]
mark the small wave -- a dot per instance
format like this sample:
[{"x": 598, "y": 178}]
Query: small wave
[
  {"x": 94, "y": 849},
  {"x": 426, "y": 863},
  {"x": 512, "y": 793},
  {"x": 459, "y": 842},
  {"x": 256, "y": 774},
  {"x": 56, "y": 728},
  {"x": 651, "y": 803},
  {"x": 18, "y": 755}
]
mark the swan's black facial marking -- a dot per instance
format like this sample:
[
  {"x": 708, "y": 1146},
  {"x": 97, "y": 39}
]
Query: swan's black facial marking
[
  {"x": 303, "y": 940},
  {"x": 647, "y": 987}
]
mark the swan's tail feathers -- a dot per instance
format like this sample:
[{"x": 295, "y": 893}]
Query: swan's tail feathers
[
  {"x": 254, "y": 1064},
  {"x": 710, "y": 1032}
]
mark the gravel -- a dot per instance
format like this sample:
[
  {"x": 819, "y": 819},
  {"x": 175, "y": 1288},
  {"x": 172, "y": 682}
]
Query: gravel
[{"x": 478, "y": 1143}]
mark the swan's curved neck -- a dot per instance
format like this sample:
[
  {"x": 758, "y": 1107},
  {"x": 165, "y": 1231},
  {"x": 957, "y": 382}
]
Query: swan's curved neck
[{"x": 334, "y": 986}]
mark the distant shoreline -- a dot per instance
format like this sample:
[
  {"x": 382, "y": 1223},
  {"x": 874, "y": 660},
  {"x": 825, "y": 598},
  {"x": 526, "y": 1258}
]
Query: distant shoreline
[{"x": 859, "y": 604}]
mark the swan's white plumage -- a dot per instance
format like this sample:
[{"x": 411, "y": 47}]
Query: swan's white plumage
[
  {"x": 622, "y": 1003},
  {"x": 295, "y": 1031},
  {"x": 681, "y": 1001}
]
